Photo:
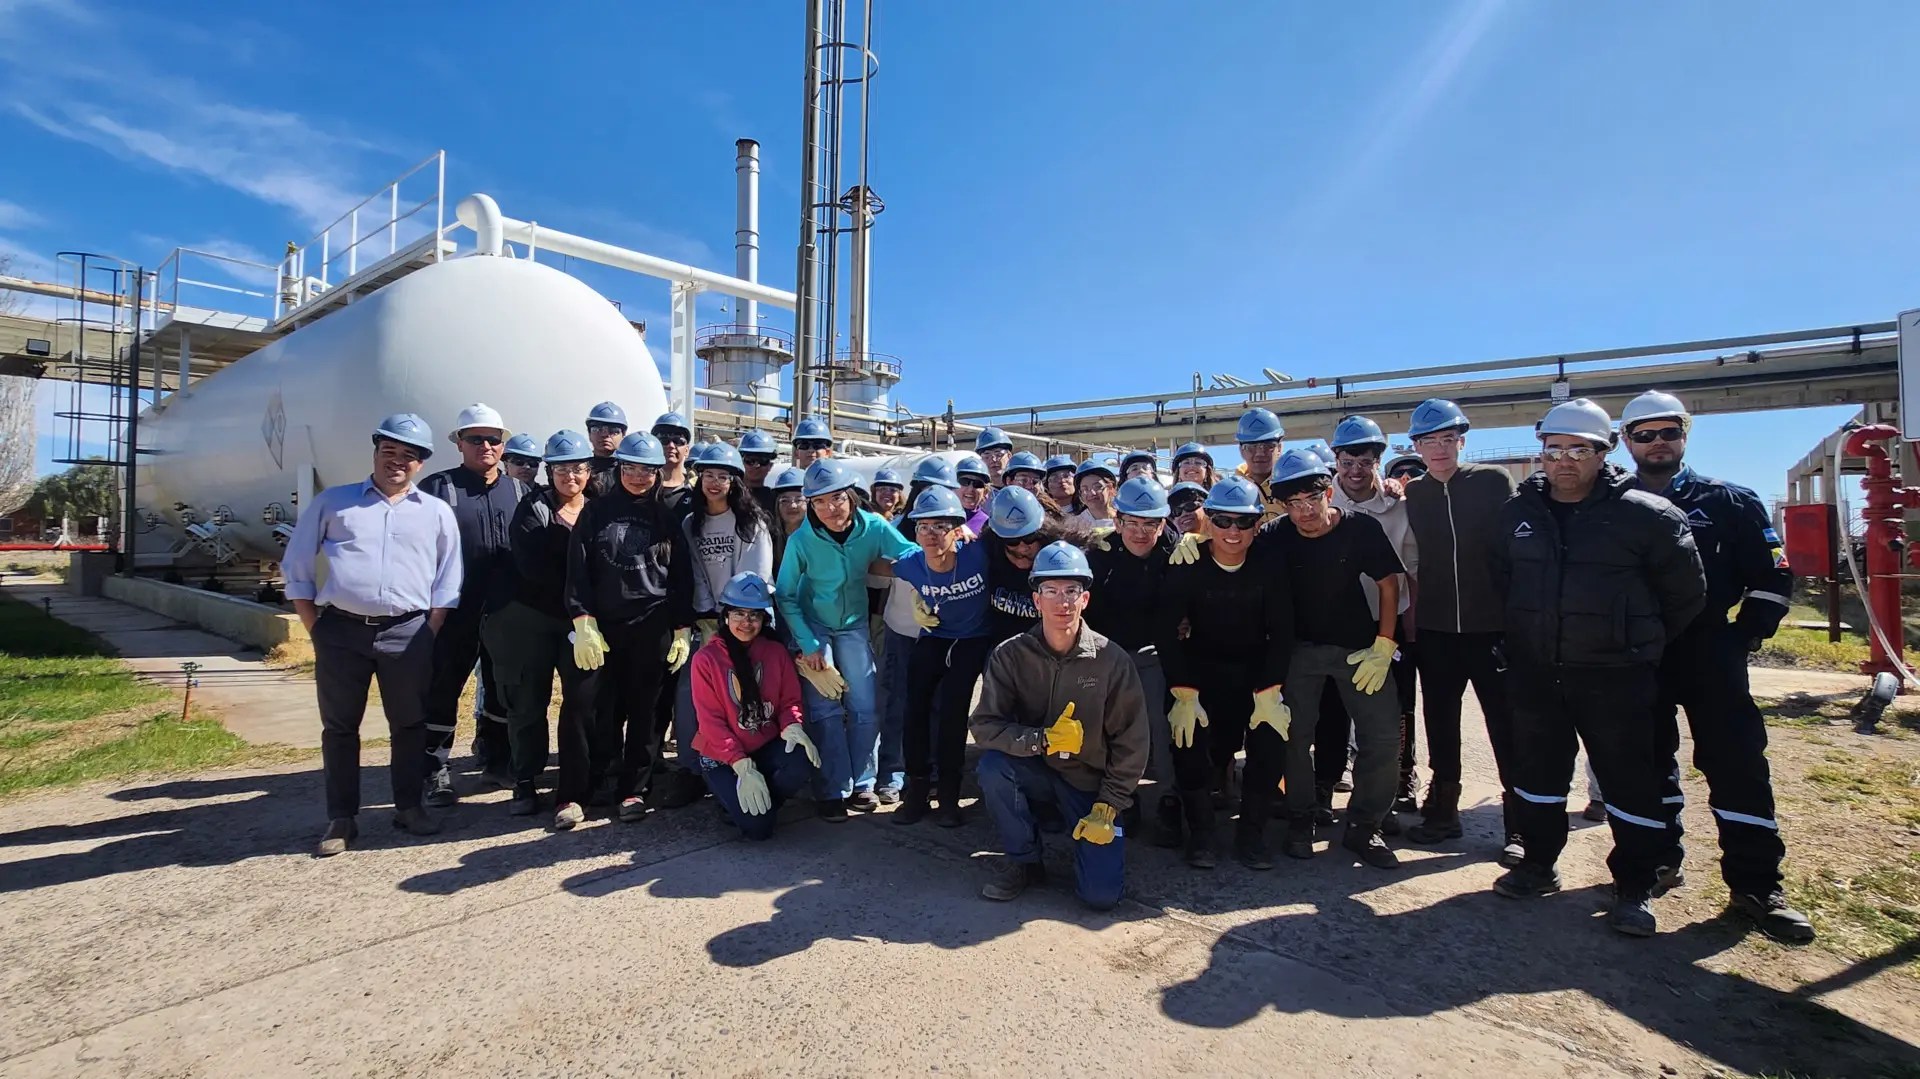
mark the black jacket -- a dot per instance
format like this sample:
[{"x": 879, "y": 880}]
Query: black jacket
[
  {"x": 627, "y": 559},
  {"x": 1126, "y": 591},
  {"x": 1610, "y": 590},
  {"x": 1240, "y": 624},
  {"x": 606, "y": 476},
  {"x": 1745, "y": 561},
  {"x": 483, "y": 511},
  {"x": 539, "y": 539}
]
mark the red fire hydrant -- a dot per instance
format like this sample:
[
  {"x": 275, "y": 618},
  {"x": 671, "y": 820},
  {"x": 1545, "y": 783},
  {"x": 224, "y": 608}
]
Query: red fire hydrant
[{"x": 1885, "y": 540}]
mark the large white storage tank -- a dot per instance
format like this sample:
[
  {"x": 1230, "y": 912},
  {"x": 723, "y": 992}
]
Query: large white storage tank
[{"x": 296, "y": 417}]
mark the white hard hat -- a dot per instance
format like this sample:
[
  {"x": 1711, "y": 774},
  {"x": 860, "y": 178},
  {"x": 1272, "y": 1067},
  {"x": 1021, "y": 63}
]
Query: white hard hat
[
  {"x": 1654, "y": 405},
  {"x": 478, "y": 415},
  {"x": 1578, "y": 417}
]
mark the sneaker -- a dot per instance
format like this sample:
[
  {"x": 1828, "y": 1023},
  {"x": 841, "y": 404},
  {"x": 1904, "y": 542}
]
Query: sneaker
[
  {"x": 632, "y": 809},
  {"x": 1371, "y": 849},
  {"x": 1632, "y": 915},
  {"x": 1250, "y": 848},
  {"x": 1596, "y": 812},
  {"x": 415, "y": 821},
  {"x": 1010, "y": 878},
  {"x": 525, "y": 801},
  {"x": 680, "y": 788},
  {"x": 833, "y": 809},
  {"x": 1774, "y": 917},
  {"x": 863, "y": 802},
  {"x": 887, "y": 796},
  {"x": 1667, "y": 878},
  {"x": 568, "y": 815},
  {"x": 1514, "y": 852},
  {"x": 440, "y": 792},
  {"x": 1528, "y": 880},
  {"x": 339, "y": 832}
]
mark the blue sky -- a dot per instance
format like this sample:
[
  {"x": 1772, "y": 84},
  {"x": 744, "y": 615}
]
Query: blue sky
[{"x": 1123, "y": 193}]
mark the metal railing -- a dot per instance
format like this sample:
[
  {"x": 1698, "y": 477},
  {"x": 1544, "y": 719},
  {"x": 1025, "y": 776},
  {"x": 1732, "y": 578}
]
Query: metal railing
[
  {"x": 187, "y": 269},
  {"x": 769, "y": 338},
  {"x": 335, "y": 255},
  {"x": 866, "y": 363}
]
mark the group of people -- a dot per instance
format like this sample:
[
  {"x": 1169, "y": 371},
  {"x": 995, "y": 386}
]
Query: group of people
[{"x": 1244, "y": 642}]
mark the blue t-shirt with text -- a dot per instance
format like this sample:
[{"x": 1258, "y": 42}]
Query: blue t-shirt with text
[{"x": 958, "y": 595}]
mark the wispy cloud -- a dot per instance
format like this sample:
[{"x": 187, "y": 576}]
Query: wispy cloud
[
  {"x": 110, "y": 95},
  {"x": 15, "y": 216}
]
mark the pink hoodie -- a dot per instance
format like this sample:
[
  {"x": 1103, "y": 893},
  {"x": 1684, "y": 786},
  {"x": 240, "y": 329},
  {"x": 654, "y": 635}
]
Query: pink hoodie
[{"x": 716, "y": 699}]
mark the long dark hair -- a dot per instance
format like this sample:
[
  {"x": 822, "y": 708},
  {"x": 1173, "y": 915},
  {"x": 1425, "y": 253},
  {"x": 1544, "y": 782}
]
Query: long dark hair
[
  {"x": 748, "y": 516},
  {"x": 913, "y": 492},
  {"x": 749, "y": 679},
  {"x": 1055, "y": 526}
]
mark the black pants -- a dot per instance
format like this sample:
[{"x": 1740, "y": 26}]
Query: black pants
[
  {"x": 1229, "y": 705},
  {"x": 1705, "y": 672},
  {"x": 347, "y": 655},
  {"x": 455, "y": 651},
  {"x": 940, "y": 677},
  {"x": 529, "y": 648},
  {"x": 627, "y": 709},
  {"x": 1448, "y": 662},
  {"x": 1613, "y": 711}
]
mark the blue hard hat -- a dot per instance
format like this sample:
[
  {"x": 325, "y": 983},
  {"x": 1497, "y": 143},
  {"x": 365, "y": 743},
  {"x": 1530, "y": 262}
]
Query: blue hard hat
[
  {"x": 607, "y": 412},
  {"x": 1322, "y": 451},
  {"x": 935, "y": 470},
  {"x": 405, "y": 427},
  {"x": 814, "y": 429},
  {"x": 971, "y": 466},
  {"x": 1297, "y": 464},
  {"x": 1191, "y": 449},
  {"x": 992, "y": 438},
  {"x": 826, "y": 476},
  {"x": 1014, "y": 512},
  {"x": 1235, "y": 494},
  {"x": 788, "y": 479},
  {"x": 1435, "y": 414},
  {"x": 887, "y": 477},
  {"x": 1142, "y": 496},
  {"x": 672, "y": 421},
  {"x": 721, "y": 455},
  {"x": 1137, "y": 456},
  {"x": 1187, "y": 485},
  {"x": 1061, "y": 461},
  {"x": 1357, "y": 431},
  {"x": 748, "y": 592},
  {"x": 564, "y": 446},
  {"x": 1259, "y": 425},
  {"x": 1098, "y": 464},
  {"x": 1024, "y": 462},
  {"x": 935, "y": 502},
  {"x": 757, "y": 441},
  {"x": 1060, "y": 559},
  {"x": 521, "y": 445},
  {"x": 640, "y": 448}
]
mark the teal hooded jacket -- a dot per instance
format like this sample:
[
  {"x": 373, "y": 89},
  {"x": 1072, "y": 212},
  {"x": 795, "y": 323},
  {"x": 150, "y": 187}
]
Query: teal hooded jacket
[{"x": 823, "y": 583}]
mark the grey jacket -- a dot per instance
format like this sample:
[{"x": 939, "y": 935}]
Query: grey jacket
[{"x": 1026, "y": 687}]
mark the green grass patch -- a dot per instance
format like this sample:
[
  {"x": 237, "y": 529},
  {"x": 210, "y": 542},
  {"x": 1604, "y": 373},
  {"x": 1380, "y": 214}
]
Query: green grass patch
[
  {"x": 1809, "y": 648},
  {"x": 1869, "y": 913},
  {"x": 1887, "y": 784},
  {"x": 160, "y": 744}
]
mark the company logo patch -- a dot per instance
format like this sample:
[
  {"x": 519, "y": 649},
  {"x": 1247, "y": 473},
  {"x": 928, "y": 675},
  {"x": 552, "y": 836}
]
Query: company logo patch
[
  {"x": 1525, "y": 530},
  {"x": 1697, "y": 517},
  {"x": 1779, "y": 557}
]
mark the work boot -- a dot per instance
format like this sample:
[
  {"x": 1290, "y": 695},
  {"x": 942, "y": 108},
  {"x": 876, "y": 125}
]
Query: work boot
[
  {"x": 416, "y": 821},
  {"x": 568, "y": 815},
  {"x": 525, "y": 801},
  {"x": 1514, "y": 851},
  {"x": 1528, "y": 880},
  {"x": 1772, "y": 914},
  {"x": 1250, "y": 843},
  {"x": 340, "y": 831},
  {"x": 1632, "y": 914},
  {"x": 1442, "y": 816},
  {"x": 633, "y": 809},
  {"x": 1300, "y": 837},
  {"x": 913, "y": 802},
  {"x": 1010, "y": 878},
  {"x": 832, "y": 810},
  {"x": 1369, "y": 847},
  {"x": 1199, "y": 807},
  {"x": 949, "y": 815},
  {"x": 440, "y": 793},
  {"x": 1666, "y": 878},
  {"x": 680, "y": 788}
]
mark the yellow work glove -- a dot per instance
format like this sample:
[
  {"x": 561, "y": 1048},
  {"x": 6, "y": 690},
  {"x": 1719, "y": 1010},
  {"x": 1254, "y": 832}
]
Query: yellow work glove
[
  {"x": 589, "y": 648},
  {"x": 1268, "y": 708},
  {"x": 1185, "y": 714},
  {"x": 1098, "y": 540},
  {"x": 680, "y": 649},
  {"x": 795, "y": 736},
  {"x": 1066, "y": 735},
  {"x": 1187, "y": 551},
  {"x": 707, "y": 628},
  {"x": 923, "y": 615},
  {"x": 1373, "y": 662},
  {"x": 751, "y": 788},
  {"x": 826, "y": 681},
  {"x": 1097, "y": 826}
]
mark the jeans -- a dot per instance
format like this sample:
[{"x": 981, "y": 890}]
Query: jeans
[
  {"x": 787, "y": 774},
  {"x": 347, "y": 655},
  {"x": 1376, "y": 730},
  {"x": 846, "y": 731},
  {"x": 1012, "y": 786},
  {"x": 894, "y": 656}
]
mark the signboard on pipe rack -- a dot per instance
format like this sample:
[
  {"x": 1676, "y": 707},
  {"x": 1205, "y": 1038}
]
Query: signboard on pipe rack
[{"x": 1909, "y": 352}]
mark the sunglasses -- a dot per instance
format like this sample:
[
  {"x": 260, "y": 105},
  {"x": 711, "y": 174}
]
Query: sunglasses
[
  {"x": 1567, "y": 453},
  {"x": 482, "y": 440},
  {"x": 1024, "y": 541},
  {"x": 1664, "y": 434},
  {"x": 811, "y": 444},
  {"x": 1235, "y": 522},
  {"x": 673, "y": 440},
  {"x": 758, "y": 460},
  {"x": 973, "y": 484},
  {"x": 522, "y": 462},
  {"x": 1185, "y": 505}
]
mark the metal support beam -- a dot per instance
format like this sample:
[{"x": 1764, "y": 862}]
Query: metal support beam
[{"x": 681, "y": 362}]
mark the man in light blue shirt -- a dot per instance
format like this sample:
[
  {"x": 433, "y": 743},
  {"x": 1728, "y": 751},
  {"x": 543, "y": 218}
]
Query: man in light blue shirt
[{"x": 393, "y": 573}]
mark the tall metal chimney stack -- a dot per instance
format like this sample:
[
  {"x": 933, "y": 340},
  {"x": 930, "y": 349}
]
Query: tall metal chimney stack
[{"x": 746, "y": 230}]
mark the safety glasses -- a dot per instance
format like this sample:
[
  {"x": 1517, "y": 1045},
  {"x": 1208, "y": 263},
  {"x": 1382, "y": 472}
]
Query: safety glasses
[
  {"x": 1665, "y": 434},
  {"x": 577, "y": 468},
  {"x": 1568, "y": 453},
  {"x": 934, "y": 528},
  {"x": 602, "y": 430},
  {"x": 1234, "y": 522},
  {"x": 1061, "y": 593}
]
